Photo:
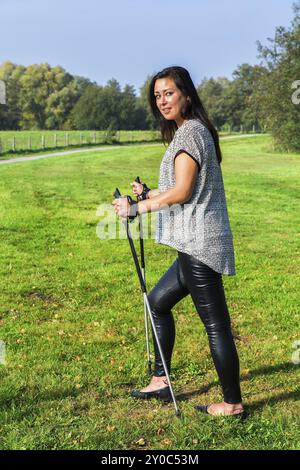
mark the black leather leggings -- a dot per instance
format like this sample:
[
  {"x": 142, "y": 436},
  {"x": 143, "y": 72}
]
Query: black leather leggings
[{"x": 187, "y": 275}]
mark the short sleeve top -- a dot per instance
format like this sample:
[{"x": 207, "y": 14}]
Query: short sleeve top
[{"x": 199, "y": 227}]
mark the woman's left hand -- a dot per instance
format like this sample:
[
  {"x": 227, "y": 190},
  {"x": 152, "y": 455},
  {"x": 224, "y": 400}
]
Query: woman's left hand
[{"x": 121, "y": 206}]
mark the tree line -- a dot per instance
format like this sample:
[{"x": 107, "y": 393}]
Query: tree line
[{"x": 257, "y": 97}]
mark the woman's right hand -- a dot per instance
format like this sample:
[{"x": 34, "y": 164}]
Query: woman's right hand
[{"x": 137, "y": 188}]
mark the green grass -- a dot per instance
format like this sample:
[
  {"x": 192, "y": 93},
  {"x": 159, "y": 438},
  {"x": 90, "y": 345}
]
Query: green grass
[{"x": 71, "y": 311}]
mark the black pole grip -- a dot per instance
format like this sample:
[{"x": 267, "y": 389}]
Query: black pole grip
[{"x": 117, "y": 194}]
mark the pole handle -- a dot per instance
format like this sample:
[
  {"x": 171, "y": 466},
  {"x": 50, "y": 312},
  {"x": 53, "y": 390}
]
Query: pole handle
[{"x": 117, "y": 194}]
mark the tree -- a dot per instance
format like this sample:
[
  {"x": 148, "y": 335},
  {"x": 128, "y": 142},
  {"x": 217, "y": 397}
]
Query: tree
[
  {"x": 211, "y": 92},
  {"x": 133, "y": 115},
  {"x": 39, "y": 97},
  {"x": 112, "y": 98},
  {"x": 99, "y": 107},
  {"x": 273, "y": 96},
  {"x": 11, "y": 113},
  {"x": 238, "y": 103},
  {"x": 128, "y": 108},
  {"x": 47, "y": 96},
  {"x": 144, "y": 106},
  {"x": 87, "y": 113}
]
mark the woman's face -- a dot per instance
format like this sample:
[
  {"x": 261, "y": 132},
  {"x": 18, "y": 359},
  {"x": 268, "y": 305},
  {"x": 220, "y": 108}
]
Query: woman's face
[{"x": 169, "y": 99}]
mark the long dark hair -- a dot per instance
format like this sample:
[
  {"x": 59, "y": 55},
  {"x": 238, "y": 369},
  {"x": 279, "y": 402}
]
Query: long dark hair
[{"x": 193, "y": 109}]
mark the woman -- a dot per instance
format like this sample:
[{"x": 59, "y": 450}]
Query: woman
[{"x": 192, "y": 219}]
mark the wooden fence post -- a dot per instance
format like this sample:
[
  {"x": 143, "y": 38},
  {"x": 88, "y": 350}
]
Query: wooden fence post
[
  {"x": 14, "y": 144},
  {"x": 29, "y": 142}
]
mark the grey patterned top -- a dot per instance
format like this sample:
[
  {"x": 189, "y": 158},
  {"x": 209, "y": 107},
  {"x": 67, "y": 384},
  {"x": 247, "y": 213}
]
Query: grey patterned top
[{"x": 200, "y": 227}]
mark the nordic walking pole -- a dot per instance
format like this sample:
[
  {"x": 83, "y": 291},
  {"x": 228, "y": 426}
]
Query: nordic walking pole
[
  {"x": 143, "y": 266},
  {"x": 117, "y": 195}
]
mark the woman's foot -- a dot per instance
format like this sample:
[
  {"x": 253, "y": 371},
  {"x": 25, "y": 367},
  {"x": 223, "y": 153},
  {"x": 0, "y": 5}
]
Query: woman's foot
[
  {"x": 158, "y": 388},
  {"x": 223, "y": 409}
]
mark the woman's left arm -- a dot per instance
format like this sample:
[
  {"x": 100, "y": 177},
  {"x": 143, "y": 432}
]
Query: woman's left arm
[{"x": 186, "y": 171}]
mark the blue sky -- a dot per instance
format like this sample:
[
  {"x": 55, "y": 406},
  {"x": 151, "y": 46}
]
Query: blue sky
[{"x": 130, "y": 39}]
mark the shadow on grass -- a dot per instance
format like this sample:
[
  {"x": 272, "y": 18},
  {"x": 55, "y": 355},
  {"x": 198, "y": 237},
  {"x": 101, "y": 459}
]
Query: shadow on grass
[
  {"x": 29, "y": 394},
  {"x": 256, "y": 405},
  {"x": 261, "y": 371}
]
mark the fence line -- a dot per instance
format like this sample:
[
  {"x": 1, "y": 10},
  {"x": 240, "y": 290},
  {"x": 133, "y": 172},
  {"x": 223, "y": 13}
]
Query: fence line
[
  {"x": 36, "y": 141},
  {"x": 26, "y": 141}
]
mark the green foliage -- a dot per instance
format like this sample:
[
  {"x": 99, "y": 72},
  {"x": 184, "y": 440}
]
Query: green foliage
[
  {"x": 238, "y": 97},
  {"x": 38, "y": 96},
  {"x": 128, "y": 118},
  {"x": 229, "y": 102},
  {"x": 273, "y": 96},
  {"x": 143, "y": 105},
  {"x": 108, "y": 108},
  {"x": 211, "y": 92},
  {"x": 48, "y": 94},
  {"x": 11, "y": 113}
]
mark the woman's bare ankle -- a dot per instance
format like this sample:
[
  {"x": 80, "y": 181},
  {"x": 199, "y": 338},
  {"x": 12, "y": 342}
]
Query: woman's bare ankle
[
  {"x": 233, "y": 406},
  {"x": 155, "y": 384},
  {"x": 159, "y": 381}
]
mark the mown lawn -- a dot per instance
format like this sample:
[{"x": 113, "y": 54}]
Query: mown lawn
[{"x": 71, "y": 311}]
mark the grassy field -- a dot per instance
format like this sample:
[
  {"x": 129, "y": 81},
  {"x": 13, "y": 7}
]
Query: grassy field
[{"x": 71, "y": 310}]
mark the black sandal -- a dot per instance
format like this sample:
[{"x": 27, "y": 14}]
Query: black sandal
[{"x": 161, "y": 393}]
